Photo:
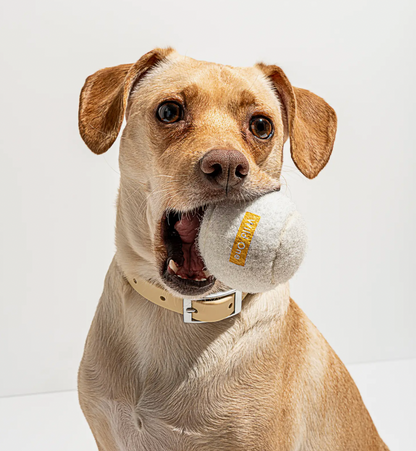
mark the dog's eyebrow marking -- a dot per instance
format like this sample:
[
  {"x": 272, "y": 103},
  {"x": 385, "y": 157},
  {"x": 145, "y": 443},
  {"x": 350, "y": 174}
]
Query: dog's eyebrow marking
[
  {"x": 245, "y": 99},
  {"x": 190, "y": 92}
]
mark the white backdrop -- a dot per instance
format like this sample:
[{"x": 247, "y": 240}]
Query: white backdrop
[{"x": 58, "y": 199}]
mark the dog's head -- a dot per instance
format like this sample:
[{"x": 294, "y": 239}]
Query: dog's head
[{"x": 196, "y": 133}]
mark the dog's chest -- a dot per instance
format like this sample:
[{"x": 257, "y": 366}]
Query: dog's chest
[{"x": 221, "y": 398}]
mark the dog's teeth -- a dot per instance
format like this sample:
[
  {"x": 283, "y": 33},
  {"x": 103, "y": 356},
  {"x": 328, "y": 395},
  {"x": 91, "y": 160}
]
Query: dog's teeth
[
  {"x": 200, "y": 280},
  {"x": 181, "y": 276},
  {"x": 173, "y": 266}
]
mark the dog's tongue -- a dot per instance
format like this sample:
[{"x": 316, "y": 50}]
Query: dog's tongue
[
  {"x": 187, "y": 228},
  {"x": 193, "y": 265}
]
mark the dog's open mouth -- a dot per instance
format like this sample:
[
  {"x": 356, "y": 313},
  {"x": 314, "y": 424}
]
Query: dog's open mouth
[{"x": 184, "y": 270}]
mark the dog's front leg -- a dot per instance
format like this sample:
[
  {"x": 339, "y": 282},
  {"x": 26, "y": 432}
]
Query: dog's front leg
[{"x": 114, "y": 424}]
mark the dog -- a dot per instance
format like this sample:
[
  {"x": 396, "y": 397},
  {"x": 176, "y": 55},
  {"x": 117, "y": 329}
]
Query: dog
[{"x": 262, "y": 379}]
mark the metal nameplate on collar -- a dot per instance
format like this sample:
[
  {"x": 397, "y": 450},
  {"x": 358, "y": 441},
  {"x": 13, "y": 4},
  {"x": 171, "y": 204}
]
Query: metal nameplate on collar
[{"x": 188, "y": 310}]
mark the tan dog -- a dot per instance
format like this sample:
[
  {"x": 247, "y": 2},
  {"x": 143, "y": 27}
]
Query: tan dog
[{"x": 264, "y": 379}]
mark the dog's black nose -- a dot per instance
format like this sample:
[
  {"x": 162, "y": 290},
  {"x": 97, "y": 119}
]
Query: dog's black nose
[{"x": 224, "y": 168}]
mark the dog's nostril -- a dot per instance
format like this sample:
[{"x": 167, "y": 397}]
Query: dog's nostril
[
  {"x": 241, "y": 171},
  {"x": 211, "y": 168},
  {"x": 216, "y": 170}
]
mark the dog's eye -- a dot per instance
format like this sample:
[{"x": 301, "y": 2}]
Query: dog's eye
[
  {"x": 169, "y": 112},
  {"x": 261, "y": 127}
]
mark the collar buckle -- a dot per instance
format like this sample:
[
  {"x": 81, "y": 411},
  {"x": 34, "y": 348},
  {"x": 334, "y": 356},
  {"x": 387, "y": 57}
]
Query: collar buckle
[{"x": 188, "y": 309}]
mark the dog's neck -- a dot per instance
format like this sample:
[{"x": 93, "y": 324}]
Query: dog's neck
[
  {"x": 169, "y": 346},
  {"x": 211, "y": 308},
  {"x": 274, "y": 303}
]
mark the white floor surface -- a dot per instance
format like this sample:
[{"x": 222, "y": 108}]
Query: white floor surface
[{"x": 54, "y": 421}]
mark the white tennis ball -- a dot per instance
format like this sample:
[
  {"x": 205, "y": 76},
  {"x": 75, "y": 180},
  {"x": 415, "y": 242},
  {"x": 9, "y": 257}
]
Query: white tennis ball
[{"x": 254, "y": 246}]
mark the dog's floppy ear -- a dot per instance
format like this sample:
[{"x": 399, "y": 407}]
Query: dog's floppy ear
[
  {"x": 103, "y": 100},
  {"x": 311, "y": 122}
]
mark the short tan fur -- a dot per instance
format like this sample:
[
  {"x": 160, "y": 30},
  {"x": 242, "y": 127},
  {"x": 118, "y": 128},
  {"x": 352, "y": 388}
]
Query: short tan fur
[{"x": 262, "y": 380}]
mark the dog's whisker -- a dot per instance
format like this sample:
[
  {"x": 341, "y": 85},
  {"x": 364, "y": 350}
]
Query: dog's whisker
[
  {"x": 111, "y": 167},
  {"x": 132, "y": 194},
  {"x": 163, "y": 191}
]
